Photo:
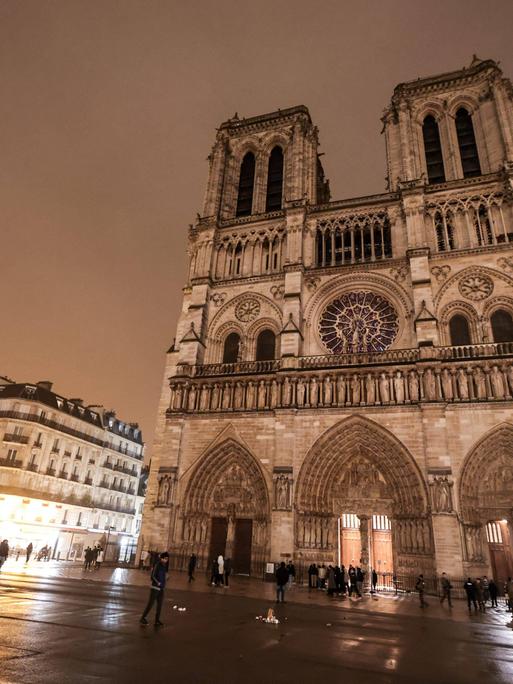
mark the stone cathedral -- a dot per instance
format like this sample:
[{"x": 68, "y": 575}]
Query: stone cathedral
[{"x": 341, "y": 384}]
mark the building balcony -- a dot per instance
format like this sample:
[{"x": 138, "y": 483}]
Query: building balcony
[
  {"x": 88, "y": 481},
  {"x": 108, "y": 464},
  {"x": 78, "y": 457},
  {"x": 67, "y": 452},
  {"x": 37, "y": 445},
  {"x": 65, "y": 429},
  {"x": 130, "y": 491},
  {"x": 63, "y": 475},
  {"x": 54, "y": 450},
  {"x": 17, "y": 439},
  {"x": 73, "y": 477},
  {"x": 10, "y": 463},
  {"x": 50, "y": 471},
  {"x": 33, "y": 467}
]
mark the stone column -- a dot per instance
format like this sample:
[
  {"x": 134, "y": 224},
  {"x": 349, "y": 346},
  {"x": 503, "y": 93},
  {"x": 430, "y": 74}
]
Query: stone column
[
  {"x": 230, "y": 536},
  {"x": 365, "y": 541}
]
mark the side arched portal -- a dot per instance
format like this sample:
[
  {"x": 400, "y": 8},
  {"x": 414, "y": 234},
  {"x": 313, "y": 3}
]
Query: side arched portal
[
  {"x": 486, "y": 503},
  {"x": 361, "y": 469},
  {"x": 226, "y": 509}
]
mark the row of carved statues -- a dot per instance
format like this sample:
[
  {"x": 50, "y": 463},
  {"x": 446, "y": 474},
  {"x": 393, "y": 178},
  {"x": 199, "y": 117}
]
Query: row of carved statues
[{"x": 450, "y": 383}]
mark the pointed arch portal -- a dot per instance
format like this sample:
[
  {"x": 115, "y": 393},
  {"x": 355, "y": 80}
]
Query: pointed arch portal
[
  {"x": 358, "y": 471},
  {"x": 226, "y": 509}
]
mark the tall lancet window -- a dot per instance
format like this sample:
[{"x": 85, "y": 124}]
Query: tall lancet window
[
  {"x": 246, "y": 185},
  {"x": 274, "y": 180},
  {"x": 433, "y": 150},
  {"x": 467, "y": 144}
]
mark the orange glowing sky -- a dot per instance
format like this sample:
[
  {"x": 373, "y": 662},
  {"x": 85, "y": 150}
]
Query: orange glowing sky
[{"x": 108, "y": 113}]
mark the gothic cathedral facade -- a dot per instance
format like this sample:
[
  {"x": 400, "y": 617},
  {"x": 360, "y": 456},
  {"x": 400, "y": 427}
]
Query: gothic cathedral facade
[{"x": 341, "y": 385}]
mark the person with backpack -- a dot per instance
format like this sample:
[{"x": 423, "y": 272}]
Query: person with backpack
[
  {"x": 158, "y": 578},
  {"x": 420, "y": 586}
]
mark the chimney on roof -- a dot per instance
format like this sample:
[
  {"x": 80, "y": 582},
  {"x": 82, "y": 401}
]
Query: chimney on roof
[
  {"x": 77, "y": 401},
  {"x": 45, "y": 384}
]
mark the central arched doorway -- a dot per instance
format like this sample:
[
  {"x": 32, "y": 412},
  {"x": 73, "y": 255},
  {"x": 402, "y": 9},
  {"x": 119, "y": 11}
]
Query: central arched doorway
[
  {"x": 361, "y": 497},
  {"x": 486, "y": 502},
  {"x": 226, "y": 510}
]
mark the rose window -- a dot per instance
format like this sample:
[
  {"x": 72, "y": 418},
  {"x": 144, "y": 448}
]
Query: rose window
[{"x": 358, "y": 322}]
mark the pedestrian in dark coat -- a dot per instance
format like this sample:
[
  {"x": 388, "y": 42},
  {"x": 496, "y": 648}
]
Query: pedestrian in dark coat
[
  {"x": 158, "y": 578},
  {"x": 282, "y": 577},
  {"x": 492, "y": 588},
  {"x": 374, "y": 580},
  {"x": 446, "y": 590},
  {"x": 29, "y": 551},
  {"x": 227, "y": 571},
  {"x": 191, "y": 567},
  {"x": 420, "y": 586},
  {"x": 215, "y": 572},
  {"x": 470, "y": 590},
  {"x": 4, "y": 551}
]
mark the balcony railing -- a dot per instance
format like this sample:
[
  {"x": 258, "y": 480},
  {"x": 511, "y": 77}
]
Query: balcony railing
[
  {"x": 67, "y": 452},
  {"x": 10, "y": 463},
  {"x": 239, "y": 368},
  {"x": 108, "y": 464},
  {"x": 61, "y": 427},
  {"x": 50, "y": 471},
  {"x": 18, "y": 439},
  {"x": 33, "y": 467},
  {"x": 63, "y": 475},
  {"x": 88, "y": 481},
  {"x": 37, "y": 445},
  {"x": 73, "y": 477}
]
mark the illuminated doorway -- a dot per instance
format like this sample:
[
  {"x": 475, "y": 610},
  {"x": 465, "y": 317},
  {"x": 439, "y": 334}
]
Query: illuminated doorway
[{"x": 499, "y": 545}]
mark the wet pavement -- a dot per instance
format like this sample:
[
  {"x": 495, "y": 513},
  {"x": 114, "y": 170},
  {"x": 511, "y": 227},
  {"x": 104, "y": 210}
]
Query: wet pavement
[{"x": 59, "y": 624}]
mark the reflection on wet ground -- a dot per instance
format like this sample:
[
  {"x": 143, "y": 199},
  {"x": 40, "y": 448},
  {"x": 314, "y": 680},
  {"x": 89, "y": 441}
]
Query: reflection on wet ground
[{"x": 59, "y": 624}]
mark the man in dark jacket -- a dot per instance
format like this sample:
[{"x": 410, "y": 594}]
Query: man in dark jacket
[
  {"x": 446, "y": 589},
  {"x": 470, "y": 590},
  {"x": 227, "y": 571},
  {"x": 282, "y": 577},
  {"x": 158, "y": 583},
  {"x": 4, "y": 551},
  {"x": 192, "y": 567}
]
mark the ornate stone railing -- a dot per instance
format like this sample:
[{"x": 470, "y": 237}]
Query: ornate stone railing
[
  {"x": 389, "y": 357},
  {"x": 427, "y": 380}
]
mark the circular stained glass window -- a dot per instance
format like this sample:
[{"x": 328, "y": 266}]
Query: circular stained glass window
[{"x": 358, "y": 322}]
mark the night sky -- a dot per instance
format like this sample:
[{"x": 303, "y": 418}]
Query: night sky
[{"x": 108, "y": 112}]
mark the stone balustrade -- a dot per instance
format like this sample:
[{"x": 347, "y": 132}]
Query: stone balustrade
[{"x": 425, "y": 381}]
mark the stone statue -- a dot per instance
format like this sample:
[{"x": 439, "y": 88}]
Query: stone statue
[
  {"x": 214, "y": 402},
  {"x": 314, "y": 392},
  {"x": 429, "y": 385},
  {"x": 384, "y": 389},
  {"x": 328, "y": 391},
  {"x": 300, "y": 391},
  {"x": 462, "y": 384},
  {"x": 177, "y": 399},
  {"x": 287, "y": 387},
  {"x": 399, "y": 387},
  {"x": 204, "y": 398},
  {"x": 355, "y": 387},
  {"x": 341, "y": 390},
  {"x": 261, "y": 394},
  {"x": 442, "y": 495},
  {"x": 509, "y": 374},
  {"x": 413, "y": 386},
  {"x": 192, "y": 398},
  {"x": 227, "y": 395},
  {"x": 282, "y": 492},
  {"x": 274, "y": 394},
  {"x": 250, "y": 395},
  {"x": 370, "y": 389},
  {"x": 239, "y": 395},
  {"x": 480, "y": 382},
  {"x": 496, "y": 382},
  {"x": 447, "y": 384},
  {"x": 163, "y": 491}
]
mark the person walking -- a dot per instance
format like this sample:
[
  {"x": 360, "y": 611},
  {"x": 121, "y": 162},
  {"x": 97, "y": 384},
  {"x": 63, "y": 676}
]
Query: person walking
[
  {"x": 479, "y": 594},
  {"x": 29, "y": 551},
  {"x": 331, "y": 580},
  {"x": 282, "y": 577},
  {"x": 227, "y": 571},
  {"x": 420, "y": 586},
  {"x": 4, "y": 552},
  {"x": 470, "y": 591},
  {"x": 493, "y": 589},
  {"x": 292, "y": 573},
  {"x": 191, "y": 567},
  {"x": 359, "y": 581},
  {"x": 322, "y": 576},
  {"x": 310, "y": 575},
  {"x": 99, "y": 558},
  {"x": 374, "y": 580},
  {"x": 446, "y": 589},
  {"x": 352, "y": 580},
  {"x": 220, "y": 569},
  {"x": 485, "y": 583},
  {"x": 158, "y": 584}
]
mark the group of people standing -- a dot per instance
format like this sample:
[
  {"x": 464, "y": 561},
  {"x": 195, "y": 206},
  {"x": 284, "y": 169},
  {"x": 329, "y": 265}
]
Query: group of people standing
[
  {"x": 93, "y": 557},
  {"x": 221, "y": 569},
  {"x": 339, "y": 580}
]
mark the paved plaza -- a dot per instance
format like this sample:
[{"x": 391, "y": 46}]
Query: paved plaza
[{"x": 58, "y": 624}]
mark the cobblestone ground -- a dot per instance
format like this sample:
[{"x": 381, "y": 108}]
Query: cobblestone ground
[{"x": 59, "y": 624}]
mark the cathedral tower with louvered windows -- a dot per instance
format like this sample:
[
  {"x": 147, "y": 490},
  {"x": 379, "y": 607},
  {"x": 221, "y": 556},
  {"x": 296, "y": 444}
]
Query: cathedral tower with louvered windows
[{"x": 341, "y": 385}]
